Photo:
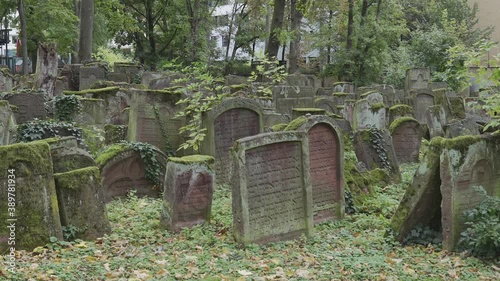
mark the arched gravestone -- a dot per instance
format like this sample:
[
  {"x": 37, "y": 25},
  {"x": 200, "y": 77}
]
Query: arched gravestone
[
  {"x": 124, "y": 171},
  {"x": 326, "y": 167},
  {"x": 406, "y": 139},
  {"x": 422, "y": 99},
  {"x": 271, "y": 188},
  {"x": 227, "y": 122},
  {"x": 478, "y": 167},
  {"x": 326, "y": 103}
]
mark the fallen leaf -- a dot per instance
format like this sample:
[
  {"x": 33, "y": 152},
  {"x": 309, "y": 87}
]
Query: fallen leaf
[{"x": 244, "y": 272}]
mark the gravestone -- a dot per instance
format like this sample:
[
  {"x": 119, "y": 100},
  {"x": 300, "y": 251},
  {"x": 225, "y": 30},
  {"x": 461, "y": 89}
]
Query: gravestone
[
  {"x": 421, "y": 101},
  {"x": 461, "y": 127},
  {"x": 29, "y": 106},
  {"x": 8, "y": 126},
  {"x": 298, "y": 111},
  {"x": 327, "y": 104},
  {"x": 467, "y": 163},
  {"x": 421, "y": 203},
  {"x": 417, "y": 78},
  {"x": 288, "y": 97},
  {"x": 93, "y": 112},
  {"x": 406, "y": 138},
  {"x": 89, "y": 75},
  {"x": 368, "y": 114},
  {"x": 400, "y": 110},
  {"x": 6, "y": 82},
  {"x": 72, "y": 74},
  {"x": 188, "y": 190},
  {"x": 435, "y": 117},
  {"x": 28, "y": 179},
  {"x": 272, "y": 198},
  {"x": 81, "y": 202},
  {"x": 326, "y": 167},
  {"x": 374, "y": 148},
  {"x": 66, "y": 159},
  {"x": 113, "y": 100},
  {"x": 151, "y": 119},
  {"x": 123, "y": 170},
  {"x": 230, "y": 120},
  {"x": 472, "y": 110}
]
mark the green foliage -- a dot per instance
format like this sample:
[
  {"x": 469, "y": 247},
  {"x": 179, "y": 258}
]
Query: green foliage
[
  {"x": 423, "y": 236},
  {"x": 482, "y": 236},
  {"x": 269, "y": 73},
  {"x": 152, "y": 167},
  {"x": 377, "y": 142},
  {"x": 66, "y": 106},
  {"x": 42, "y": 129},
  {"x": 110, "y": 55},
  {"x": 204, "y": 92},
  {"x": 70, "y": 232}
]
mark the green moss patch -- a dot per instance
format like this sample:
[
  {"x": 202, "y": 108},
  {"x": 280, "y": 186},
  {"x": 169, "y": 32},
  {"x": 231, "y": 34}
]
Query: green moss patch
[
  {"x": 93, "y": 91},
  {"x": 193, "y": 159},
  {"x": 401, "y": 109},
  {"x": 396, "y": 123},
  {"x": 109, "y": 152},
  {"x": 296, "y": 123},
  {"x": 377, "y": 106},
  {"x": 72, "y": 179},
  {"x": 279, "y": 127}
]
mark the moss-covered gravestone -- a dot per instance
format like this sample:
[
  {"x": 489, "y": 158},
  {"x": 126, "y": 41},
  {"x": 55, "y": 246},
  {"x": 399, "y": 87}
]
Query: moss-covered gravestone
[
  {"x": 326, "y": 157},
  {"x": 469, "y": 164},
  {"x": 228, "y": 121},
  {"x": 461, "y": 127},
  {"x": 406, "y": 139},
  {"x": 81, "y": 203},
  {"x": 90, "y": 75},
  {"x": 123, "y": 169},
  {"x": 297, "y": 112},
  {"x": 369, "y": 114},
  {"x": 188, "y": 190},
  {"x": 8, "y": 126},
  {"x": 28, "y": 199},
  {"x": 71, "y": 158},
  {"x": 435, "y": 117},
  {"x": 272, "y": 197},
  {"x": 400, "y": 110}
]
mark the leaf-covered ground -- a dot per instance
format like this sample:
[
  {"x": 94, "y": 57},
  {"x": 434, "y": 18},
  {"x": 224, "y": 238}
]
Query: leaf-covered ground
[{"x": 352, "y": 249}]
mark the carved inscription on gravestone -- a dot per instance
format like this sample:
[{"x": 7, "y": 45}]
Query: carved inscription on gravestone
[
  {"x": 275, "y": 190},
  {"x": 324, "y": 167},
  {"x": 422, "y": 102},
  {"x": 231, "y": 125},
  {"x": 406, "y": 140}
]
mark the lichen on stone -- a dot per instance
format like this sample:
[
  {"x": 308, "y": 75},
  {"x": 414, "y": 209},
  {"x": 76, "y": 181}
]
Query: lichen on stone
[
  {"x": 74, "y": 178},
  {"x": 193, "y": 159},
  {"x": 109, "y": 152},
  {"x": 279, "y": 127}
]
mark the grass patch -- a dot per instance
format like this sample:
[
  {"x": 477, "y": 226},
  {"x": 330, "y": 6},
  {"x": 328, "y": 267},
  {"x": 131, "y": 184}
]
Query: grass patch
[{"x": 352, "y": 249}]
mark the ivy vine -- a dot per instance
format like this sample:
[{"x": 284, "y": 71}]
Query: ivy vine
[
  {"x": 66, "y": 106},
  {"x": 148, "y": 154},
  {"x": 377, "y": 142},
  {"x": 42, "y": 129}
]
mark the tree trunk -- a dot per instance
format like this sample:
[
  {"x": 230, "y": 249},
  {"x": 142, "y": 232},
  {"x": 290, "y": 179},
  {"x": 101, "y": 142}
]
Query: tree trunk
[
  {"x": 296, "y": 19},
  {"x": 150, "y": 24},
  {"x": 273, "y": 43},
  {"x": 76, "y": 46},
  {"x": 46, "y": 68},
  {"x": 362, "y": 66},
  {"x": 24, "y": 36},
  {"x": 86, "y": 28},
  {"x": 350, "y": 25}
]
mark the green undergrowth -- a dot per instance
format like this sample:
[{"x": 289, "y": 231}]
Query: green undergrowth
[{"x": 352, "y": 249}]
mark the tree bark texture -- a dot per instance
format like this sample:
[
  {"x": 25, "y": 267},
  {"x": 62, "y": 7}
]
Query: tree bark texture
[
  {"x": 296, "y": 20},
  {"x": 24, "y": 36},
  {"x": 46, "y": 68},
  {"x": 86, "y": 29},
  {"x": 273, "y": 44}
]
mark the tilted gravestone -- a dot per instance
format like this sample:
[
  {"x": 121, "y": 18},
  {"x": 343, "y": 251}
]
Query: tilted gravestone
[
  {"x": 8, "y": 126},
  {"x": 81, "y": 202},
  {"x": 461, "y": 127},
  {"x": 374, "y": 148},
  {"x": 29, "y": 106},
  {"x": 28, "y": 200},
  {"x": 152, "y": 119},
  {"x": 227, "y": 122},
  {"x": 6, "y": 82},
  {"x": 188, "y": 190},
  {"x": 406, "y": 139},
  {"x": 467, "y": 163},
  {"x": 70, "y": 158},
  {"x": 123, "y": 170},
  {"x": 435, "y": 117},
  {"x": 326, "y": 160},
  {"x": 272, "y": 197}
]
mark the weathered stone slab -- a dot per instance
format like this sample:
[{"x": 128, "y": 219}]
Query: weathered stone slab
[
  {"x": 368, "y": 114},
  {"x": 467, "y": 163},
  {"x": 299, "y": 111},
  {"x": 123, "y": 170},
  {"x": 29, "y": 106},
  {"x": 326, "y": 103},
  {"x": 406, "y": 138},
  {"x": 28, "y": 179},
  {"x": 417, "y": 78},
  {"x": 422, "y": 100},
  {"x": 421, "y": 203},
  {"x": 462, "y": 127},
  {"x": 435, "y": 117},
  {"x": 152, "y": 119},
  {"x": 272, "y": 198},
  {"x": 81, "y": 202},
  {"x": 8, "y": 126},
  {"x": 93, "y": 112},
  {"x": 272, "y": 118},
  {"x": 230, "y": 120},
  {"x": 375, "y": 149},
  {"x": 46, "y": 68},
  {"x": 113, "y": 100},
  {"x": 400, "y": 110},
  {"x": 187, "y": 193},
  {"x": 6, "y": 82},
  {"x": 70, "y": 158},
  {"x": 72, "y": 74},
  {"x": 89, "y": 75},
  {"x": 326, "y": 158}
]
